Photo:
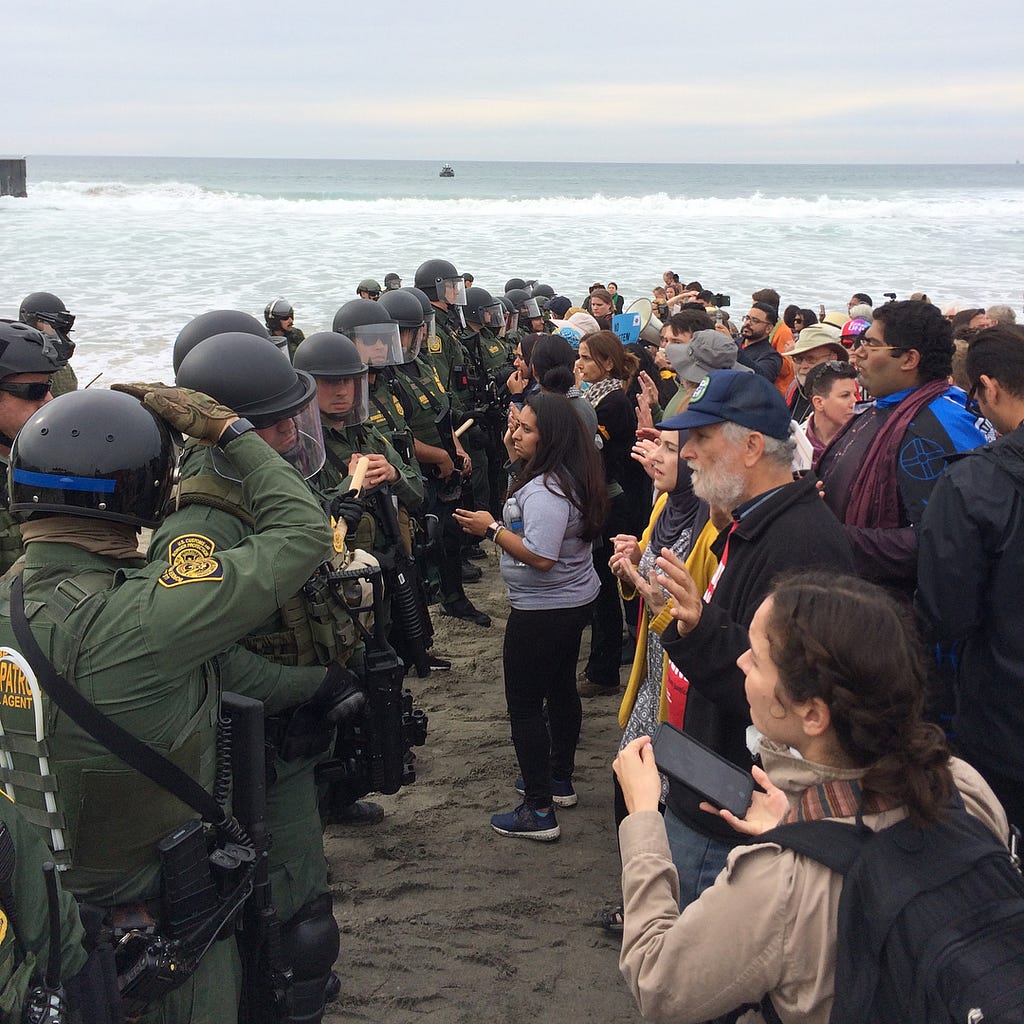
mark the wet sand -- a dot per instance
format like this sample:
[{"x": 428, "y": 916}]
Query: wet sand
[{"x": 440, "y": 915}]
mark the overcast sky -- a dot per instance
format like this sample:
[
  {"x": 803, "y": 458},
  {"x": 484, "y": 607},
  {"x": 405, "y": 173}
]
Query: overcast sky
[{"x": 797, "y": 80}]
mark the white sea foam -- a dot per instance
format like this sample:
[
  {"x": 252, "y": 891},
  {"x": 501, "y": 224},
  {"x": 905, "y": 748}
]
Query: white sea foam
[{"x": 181, "y": 197}]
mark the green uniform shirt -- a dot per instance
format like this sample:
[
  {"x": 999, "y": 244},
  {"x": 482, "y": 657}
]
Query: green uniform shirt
[
  {"x": 445, "y": 351},
  {"x": 11, "y": 545},
  {"x": 63, "y": 381},
  {"x": 424, "y": 399}
]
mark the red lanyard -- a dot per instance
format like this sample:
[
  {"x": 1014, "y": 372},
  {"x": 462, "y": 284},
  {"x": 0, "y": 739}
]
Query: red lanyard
[{"x": 710, "y": 592}]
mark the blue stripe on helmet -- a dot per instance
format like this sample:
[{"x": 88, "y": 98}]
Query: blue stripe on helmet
[{"x": 56, "y": 482}]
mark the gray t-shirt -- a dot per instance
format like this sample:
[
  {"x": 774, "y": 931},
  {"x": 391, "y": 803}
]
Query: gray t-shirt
[{"x": 551, "y": 529}]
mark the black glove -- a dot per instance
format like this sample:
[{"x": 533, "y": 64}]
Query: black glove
[
  {"x": 339, "y": 698},
  {"x": 349, "y": 508}
]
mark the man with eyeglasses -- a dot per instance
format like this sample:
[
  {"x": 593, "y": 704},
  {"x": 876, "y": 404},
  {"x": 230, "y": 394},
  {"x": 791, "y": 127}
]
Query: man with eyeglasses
[
  {"x": 48, "y": 314},
  {"x": 817, "y": 344},
  {"x": 28, "y": 361},
  {"x": 756, "y": 348},
  {"x": 970, "y": 567},
  {"x": 879, "y": 471}
]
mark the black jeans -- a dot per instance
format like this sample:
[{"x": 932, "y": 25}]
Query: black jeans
[
  {"x": 606, "y": 635},
  {"x": 539, "y": 656}
]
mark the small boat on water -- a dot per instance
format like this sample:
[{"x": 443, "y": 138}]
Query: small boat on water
[{"x": 447, "y": 171}]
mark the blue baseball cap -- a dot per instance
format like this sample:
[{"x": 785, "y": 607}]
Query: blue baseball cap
[{"x": 729, "y": 396}]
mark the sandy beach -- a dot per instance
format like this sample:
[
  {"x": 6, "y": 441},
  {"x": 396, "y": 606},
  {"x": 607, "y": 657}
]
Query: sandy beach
[{"x": 440, "y": 915}]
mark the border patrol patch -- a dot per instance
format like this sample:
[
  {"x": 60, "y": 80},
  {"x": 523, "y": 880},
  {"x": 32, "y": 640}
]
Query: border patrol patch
[
  {"x": 434, "y": 345},
  {"x": 188, "y": 547},
  {"x": 3, "y": 926},
  {"x": 191, "y": 561}
]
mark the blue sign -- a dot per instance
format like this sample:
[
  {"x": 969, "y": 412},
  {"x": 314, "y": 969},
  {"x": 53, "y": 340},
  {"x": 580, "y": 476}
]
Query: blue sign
[{"x": 627, "y": 327}]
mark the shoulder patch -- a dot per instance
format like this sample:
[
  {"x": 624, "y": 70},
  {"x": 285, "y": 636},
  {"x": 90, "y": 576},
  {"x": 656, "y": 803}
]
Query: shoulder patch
[
  {"x": 3, "y": 926},
  {"x": 434, "y": 345},
  {"x": 188, "y": 547},
  {"x": 191, "y": 561}
]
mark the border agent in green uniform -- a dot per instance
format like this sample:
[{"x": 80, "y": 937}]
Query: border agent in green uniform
[
  {"x": 139, "y": 641},
  {"x": 28, "y": 360},
  {"x": 333, "y": 361},
  {"x": 442, "y": 284},
  {"x": 48, "y": 314},
  {"x": 255, "y": 377},
  {"x": 428, "y": 413},
  {"x": 24, "y": 920},
  {"x": 279, "y": 317},
  {"x": 486, "y": 369}
]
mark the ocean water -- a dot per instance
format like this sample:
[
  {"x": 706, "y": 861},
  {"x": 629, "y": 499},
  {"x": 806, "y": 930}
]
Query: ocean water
[{"x": 137, "y": 246}]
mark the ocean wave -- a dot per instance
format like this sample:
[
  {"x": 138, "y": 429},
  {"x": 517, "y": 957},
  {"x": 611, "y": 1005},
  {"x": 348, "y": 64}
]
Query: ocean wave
[{"x": 176, "y": 196}]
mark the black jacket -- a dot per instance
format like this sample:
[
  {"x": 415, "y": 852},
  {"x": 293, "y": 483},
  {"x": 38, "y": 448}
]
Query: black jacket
[
  {"x": 761, "y": 358},
  {"x": 793, "y": 529},
  {"x": 970, "y": 568}
]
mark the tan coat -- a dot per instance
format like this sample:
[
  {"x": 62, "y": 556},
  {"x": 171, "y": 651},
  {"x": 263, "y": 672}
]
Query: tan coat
[{"x": 767, "y": 925}]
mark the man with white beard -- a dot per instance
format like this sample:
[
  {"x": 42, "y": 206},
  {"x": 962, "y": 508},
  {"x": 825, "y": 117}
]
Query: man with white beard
[{"x": 740, "y": 452}]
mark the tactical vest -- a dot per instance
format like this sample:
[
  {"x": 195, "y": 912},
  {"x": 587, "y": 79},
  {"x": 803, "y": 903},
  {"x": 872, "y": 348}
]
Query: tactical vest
[
  {"x": 314, "y": 627},
  {"x": 80, "y": 797}
]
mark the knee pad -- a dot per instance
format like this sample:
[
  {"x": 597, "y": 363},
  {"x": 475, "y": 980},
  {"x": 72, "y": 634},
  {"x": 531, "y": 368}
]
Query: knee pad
[{"x": 311, "y": 939}]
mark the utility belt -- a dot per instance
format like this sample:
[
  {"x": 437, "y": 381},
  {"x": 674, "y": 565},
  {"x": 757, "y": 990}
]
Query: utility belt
[{"x": 158, "y": 944}]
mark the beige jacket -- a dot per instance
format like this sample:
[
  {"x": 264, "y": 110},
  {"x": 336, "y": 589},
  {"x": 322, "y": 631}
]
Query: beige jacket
[{"x": 767, "y": 925}]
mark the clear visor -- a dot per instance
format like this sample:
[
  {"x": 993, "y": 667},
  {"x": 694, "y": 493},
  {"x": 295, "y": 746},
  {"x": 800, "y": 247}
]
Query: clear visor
[
  {"x": 511, "y": 321},
  {"x": 452, "y": 290},
  {"x": 530, "y": 310},
  {"x": 412, "y": 341},
  {"x": 378, "y": 344},
  {"x": 431, "y": 325},
  {"x": 494, "y": 318},
  {"x": 344, "y": 401},
  {"x": 298, "y": 439}
]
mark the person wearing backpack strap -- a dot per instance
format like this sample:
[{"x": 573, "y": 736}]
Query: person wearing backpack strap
[{"x": 836, "y": 689}]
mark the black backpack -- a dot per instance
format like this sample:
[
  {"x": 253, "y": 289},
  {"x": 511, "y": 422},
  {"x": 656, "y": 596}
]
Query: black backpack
[{"x": 931, "y": 921}]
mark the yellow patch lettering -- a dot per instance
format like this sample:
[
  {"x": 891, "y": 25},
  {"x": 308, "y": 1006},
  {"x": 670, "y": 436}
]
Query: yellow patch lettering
[
  {"x": 14, "y": 689},
  {"x": 3, "y": 926}
]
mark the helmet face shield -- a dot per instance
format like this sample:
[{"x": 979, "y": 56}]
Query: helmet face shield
[
  {"x": 298, "y": 439},
  {"x": 412, "y": 341},
  {"x": 378, "y": 344},
  {"x": 494, "y": 318},
  {"x": 344, "y": 401},
  {"x": 529, "y": 309},
  {"x": 452, "y": 290}
]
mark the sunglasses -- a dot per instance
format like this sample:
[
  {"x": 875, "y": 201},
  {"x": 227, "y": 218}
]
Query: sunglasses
[{"x": 34, "y": 392}]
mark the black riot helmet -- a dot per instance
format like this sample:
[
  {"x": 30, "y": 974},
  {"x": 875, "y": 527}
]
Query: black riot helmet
[
  {"x": 542, "y": 290},
  {"x": 373, "y": 329},
  {"x": 23, "y": 349},
  {"x": 328, "y": 354},
  {"x": 93, "y": 453},
  {"x": 332, "y": 359},
  {"x": 407, "y": 311},
  {"x": 514, "y": 283},
  {"x": 45, "y": 306},
  {"x": 484, "y": 310},
  {"x": 206, "y": 325},
  {"x": 526, "y": 306},
  {"x": 442, "y": 282},
  {"x": 276, "y": 311},
  {"x": 253, "y": 377}
]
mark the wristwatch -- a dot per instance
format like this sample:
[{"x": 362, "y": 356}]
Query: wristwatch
[
  {"x": 492, "y": 531},
  {"x": 232, "y": 430}
]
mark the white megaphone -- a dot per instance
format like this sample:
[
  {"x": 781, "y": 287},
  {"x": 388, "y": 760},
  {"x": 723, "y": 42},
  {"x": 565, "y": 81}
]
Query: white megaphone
[{"x": 650, "y": 325}]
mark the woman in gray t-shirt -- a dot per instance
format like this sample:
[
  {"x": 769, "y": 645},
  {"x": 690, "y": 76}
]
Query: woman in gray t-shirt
[{"x": 555, "y": 509}]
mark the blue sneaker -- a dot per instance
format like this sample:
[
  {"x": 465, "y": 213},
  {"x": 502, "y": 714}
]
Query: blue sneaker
[
  {"x": 525, "y": 823},
  {"x": 562, "y": 793}
]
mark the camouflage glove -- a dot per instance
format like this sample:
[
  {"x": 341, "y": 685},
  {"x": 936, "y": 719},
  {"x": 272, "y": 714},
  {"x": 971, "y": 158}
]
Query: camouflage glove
[{"x": 188, "y": 411}]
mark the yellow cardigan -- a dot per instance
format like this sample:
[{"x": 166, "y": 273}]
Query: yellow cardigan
[{"x": 701, "y": 564}]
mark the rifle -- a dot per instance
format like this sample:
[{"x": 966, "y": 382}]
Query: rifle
[
  {"x": 401, "y": 580},
  {"x": 372, "y": 751},
  {"x": 266, "y": 974}
]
